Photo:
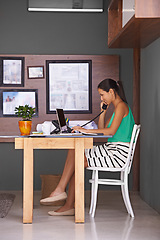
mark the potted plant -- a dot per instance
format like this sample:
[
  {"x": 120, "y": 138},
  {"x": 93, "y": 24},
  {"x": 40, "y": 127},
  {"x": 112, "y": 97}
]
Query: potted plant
[{"x": 26, "y": 113}]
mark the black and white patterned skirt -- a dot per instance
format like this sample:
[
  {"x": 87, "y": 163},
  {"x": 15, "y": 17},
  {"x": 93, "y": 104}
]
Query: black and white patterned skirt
[{"x": 110, "y": 155}]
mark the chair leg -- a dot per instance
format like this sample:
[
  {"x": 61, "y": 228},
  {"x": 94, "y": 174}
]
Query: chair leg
[
  {"x": 124, "y": 198},
  {"x": 126, "y": 193},
  {"x": 92, "y": 192},
  {"x": 95, "y": 193},
  {"x": 123, "y": 193}
]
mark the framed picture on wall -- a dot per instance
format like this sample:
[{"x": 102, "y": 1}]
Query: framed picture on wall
[
  {"x": 35, "y": 72},
  {"x": 13, "y": 98},
  {"x": 69, "y": 86},
  {"x": 12, "y": 71}
]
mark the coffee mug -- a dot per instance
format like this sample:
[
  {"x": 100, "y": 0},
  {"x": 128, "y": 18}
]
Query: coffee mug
[
  {"x": 46, "y": 128},
  {"x": 39, "y": 127}
]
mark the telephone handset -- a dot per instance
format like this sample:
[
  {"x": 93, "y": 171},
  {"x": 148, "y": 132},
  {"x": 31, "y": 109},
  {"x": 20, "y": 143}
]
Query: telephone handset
[{"x": 104, "y": 107}]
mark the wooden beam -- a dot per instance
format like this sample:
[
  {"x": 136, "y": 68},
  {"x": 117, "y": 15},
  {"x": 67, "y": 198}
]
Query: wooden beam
[{"x": 136, "y": 114}]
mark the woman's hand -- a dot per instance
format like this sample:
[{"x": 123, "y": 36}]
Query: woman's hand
[
  {"x": 78, "y": 128},
  {"x": 101, "y": 105}
]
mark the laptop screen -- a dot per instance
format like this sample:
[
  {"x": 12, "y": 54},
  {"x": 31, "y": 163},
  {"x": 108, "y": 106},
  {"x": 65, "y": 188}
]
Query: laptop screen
[{"x": 61, "y": 119}]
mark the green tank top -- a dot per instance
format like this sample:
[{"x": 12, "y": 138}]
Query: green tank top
[{"x": 124, "y": 132}]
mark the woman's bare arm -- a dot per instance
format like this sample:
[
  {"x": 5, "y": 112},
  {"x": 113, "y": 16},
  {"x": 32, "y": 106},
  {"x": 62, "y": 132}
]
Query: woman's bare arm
[{"x": 119, "y": 114}]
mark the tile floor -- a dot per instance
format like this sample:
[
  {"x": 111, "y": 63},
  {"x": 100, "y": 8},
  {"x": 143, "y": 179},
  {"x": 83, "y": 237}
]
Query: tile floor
[{"x": 111, "y": 221}]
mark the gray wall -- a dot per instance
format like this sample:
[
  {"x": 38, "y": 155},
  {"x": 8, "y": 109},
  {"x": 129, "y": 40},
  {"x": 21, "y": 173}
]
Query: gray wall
[
  {"x": 150, "y": 121},
  {"x": 24, "y": 32}
]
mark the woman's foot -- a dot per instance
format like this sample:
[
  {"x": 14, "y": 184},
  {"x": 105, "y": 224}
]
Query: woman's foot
[
  {"x": 70, "y": 212},
  {"x": 49, "y": 200},
  {"x": 56, "y": 192},
  {"x": 65, "y": 210}
]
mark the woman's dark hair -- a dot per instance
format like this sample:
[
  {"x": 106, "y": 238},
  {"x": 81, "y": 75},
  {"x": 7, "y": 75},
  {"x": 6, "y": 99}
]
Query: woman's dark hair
[{"x": 109, "y": 83}]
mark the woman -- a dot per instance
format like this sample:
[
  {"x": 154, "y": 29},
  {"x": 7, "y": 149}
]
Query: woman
[{"x": 112, "y": 154}]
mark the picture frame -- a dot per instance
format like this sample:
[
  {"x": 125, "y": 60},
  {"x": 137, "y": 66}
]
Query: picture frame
[
  {"x": 12, "y": 98},
  {"x": 12, "y": 71},
  {"x": 69, "y": 86},
  {"x": 35, "y": 72}
]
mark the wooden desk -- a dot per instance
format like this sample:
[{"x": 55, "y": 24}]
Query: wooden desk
[{"x": 28, "y": 144}]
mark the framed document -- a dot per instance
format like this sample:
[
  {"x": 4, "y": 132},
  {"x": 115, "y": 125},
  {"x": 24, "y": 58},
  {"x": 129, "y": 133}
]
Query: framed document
[
  {"x": 69, "y": 86},
  {"x": 35, "y": 72},
  {"x": 17, "y": 97},
  {"x": 12, "y": 71}
]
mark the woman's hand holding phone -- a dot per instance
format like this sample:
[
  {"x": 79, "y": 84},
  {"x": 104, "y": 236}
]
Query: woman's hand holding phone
[{"x": 104, "y": 106}]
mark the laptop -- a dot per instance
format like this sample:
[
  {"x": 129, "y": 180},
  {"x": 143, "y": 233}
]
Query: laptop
[
  {"x": 63, "y": 126},
  {"x": 62, "y": 122}
]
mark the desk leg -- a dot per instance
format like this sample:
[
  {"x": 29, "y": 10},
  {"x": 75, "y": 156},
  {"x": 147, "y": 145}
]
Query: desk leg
[
  {"x": 79, "y": 180},
  {"x": 28, "y": 181}
]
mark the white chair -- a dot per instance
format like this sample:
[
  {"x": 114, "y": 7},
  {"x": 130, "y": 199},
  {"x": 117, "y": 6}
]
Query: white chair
[{"x": 123, "y": 181}]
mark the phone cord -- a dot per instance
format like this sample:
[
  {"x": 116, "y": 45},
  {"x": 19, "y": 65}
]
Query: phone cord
[{"x": 92, "y": 119}]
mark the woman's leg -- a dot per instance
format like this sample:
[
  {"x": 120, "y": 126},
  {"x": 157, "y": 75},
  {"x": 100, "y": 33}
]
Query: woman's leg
[
  {"x": 69, "y": 204},
  {"x": 67, "y": 173},
  {"x": 71, "y": 193}
]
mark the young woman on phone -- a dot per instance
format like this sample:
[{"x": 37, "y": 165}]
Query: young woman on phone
[{"x": 111, "y": 154}]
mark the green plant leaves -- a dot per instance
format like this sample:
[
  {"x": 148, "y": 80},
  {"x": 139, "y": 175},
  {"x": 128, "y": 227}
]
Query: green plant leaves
[{"x": 25, "y": 112}]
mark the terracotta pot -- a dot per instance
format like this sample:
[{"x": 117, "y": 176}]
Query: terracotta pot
[{"x": 25, "y": 127}]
